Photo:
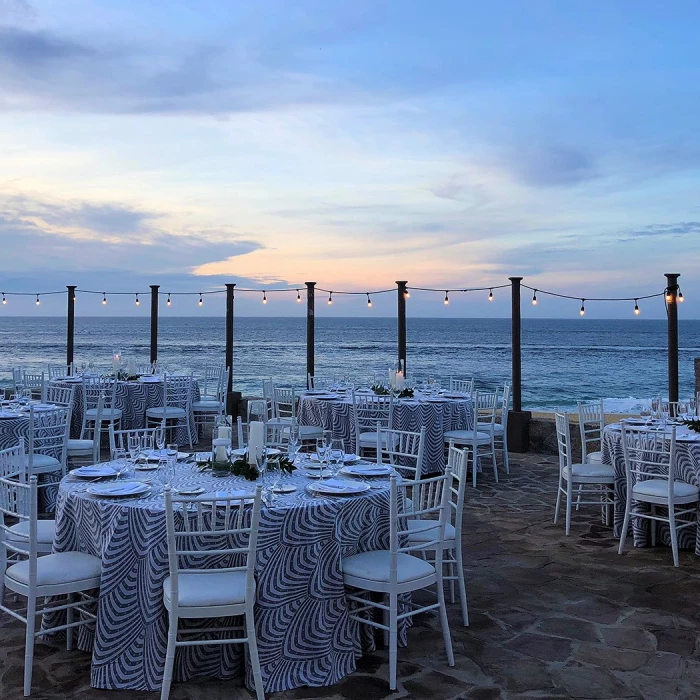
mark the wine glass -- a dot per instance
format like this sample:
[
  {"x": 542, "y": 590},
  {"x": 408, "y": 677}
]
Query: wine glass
[
  {"x": 134, "y": 445},
  {"x": 336, "y": 455},
  {"x": 293, "y": 444},
  {"x": 261, "y": 463},
  {"x": 159, "y": 438},
  {"x": 121, "y": 463},
  {"x": 321, "y": 453}
]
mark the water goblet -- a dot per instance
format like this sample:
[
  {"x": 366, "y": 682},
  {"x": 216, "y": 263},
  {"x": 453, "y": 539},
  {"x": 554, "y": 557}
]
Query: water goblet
[
  {"x": 321, "y": 454},
  {"x": 120, "y": 461},
  {"x": 337, "y": 455},
  {"x": 261, "y": 464},
  {"x": 134, "y": 445},
  {"x": 159, "y": 439}
]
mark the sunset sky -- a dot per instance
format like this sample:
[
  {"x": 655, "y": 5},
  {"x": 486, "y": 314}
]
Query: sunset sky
[{"x": 451, "y": 144}]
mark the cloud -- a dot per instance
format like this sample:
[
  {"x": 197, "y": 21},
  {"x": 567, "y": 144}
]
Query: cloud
[
  {"x": 677, "y": 230},
  {"x": 551, "y": 165}
]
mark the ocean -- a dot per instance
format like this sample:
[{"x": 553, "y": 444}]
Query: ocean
[{"x": 563, "y": 360}]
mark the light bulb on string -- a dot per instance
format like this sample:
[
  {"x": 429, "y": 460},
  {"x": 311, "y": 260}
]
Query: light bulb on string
[
  {"x": 37, "y": 300},
  {"x": 4, "y": 301},
  {"x": 138, "y": 302},
  {"x": 407, "y": 294},
  {"x": 669, "y": 296},
  {"x": 330, "y": 298},
  {"x": 490, "y": 294},
  {"x": 169, "y": 302},
  {"x": 298, "y": 297},
  {"x": 201, "y": 301},
  {"x": 74, "y": 296},
  {"x": 534, "y": 298},
  {"x": 104, "y": 299},
  {"x": 447, "y": 299},
  {"x": 583, "y": 309},
  {"x": 680, "y": 295},
  {"x": 264, "y": 299},
  {"x": 369, "y": 301},
  {"x": 636, "y": 308}
]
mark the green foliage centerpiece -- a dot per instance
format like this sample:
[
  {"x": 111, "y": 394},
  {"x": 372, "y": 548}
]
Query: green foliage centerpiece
[
  {"x": 693, "y": 424},
  {"x": 241, "y": 467}
]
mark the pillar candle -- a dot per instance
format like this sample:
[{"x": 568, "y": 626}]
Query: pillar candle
[
  {"x": 224, "y": 431},
  {"x": 256, "y": 438},
  {"x": 220, "y": 454}
]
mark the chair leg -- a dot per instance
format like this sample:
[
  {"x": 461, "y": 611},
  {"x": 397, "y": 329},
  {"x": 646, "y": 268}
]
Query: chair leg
[
  {"x": 506, "y": 461},
  {"x": 674, "y": 533},
  {"x": 474, "y": 461},
  {"x": 29, "y": 645},
  {"x": 558, "y": 504},
  {"x": 625, "y": 523},
  {"x": 569, "y": 498},
  {"x": 462, "y": 585},
  {"x": 652, "y": 508},
  {"x": 393, "y": 638},
  {"x": 452, "y": 575},
  {"x": 444, "y": 624},
  {"x": 69, "y": 621},
  {"x": 169, "y": 656},
  {"x": 254, "y": 658},
  {"x": 578, "y": 497}
]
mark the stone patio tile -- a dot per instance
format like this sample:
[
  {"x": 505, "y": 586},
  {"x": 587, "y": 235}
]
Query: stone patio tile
[{"x": 592, "y": 683}]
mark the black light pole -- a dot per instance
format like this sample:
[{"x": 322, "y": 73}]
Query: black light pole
[
  {"x": 518, "y": 420},
  {"x": 154, "y": 322},
  {"x": 310, "y": 330},
  {"x": 229, "y": 347},
  {"x": 672, "y": 315},
  {"x": 70, "y": 332},
  {"x": 401, "y": 314}
]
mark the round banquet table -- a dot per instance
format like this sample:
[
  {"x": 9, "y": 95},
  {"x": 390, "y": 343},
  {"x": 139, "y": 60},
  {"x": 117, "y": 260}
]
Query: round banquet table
[
  {"x": 133, "y": 398},
  {"x": 687, "y": 469},
  {"x": 305, "y": 637},
  {"x": 438, "y": 414}
]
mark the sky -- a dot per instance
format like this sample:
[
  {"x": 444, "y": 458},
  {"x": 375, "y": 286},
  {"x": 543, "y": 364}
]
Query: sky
[{"x": 451, "y": 144}]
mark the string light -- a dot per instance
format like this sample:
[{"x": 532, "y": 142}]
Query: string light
[
  {"x": 447, "y": 299},
  {"x": 4, "y": 301},
  {"x": 73, "y": 296},
  {"x": 583, "y": 310},
  {"x": 407, "y": 294},
  {"x": 490, "y": 294},
  {"x": 680, "y": 295},
  {"x": 669, "y": 296},
  {"x": 264, "y": 297},
  {"x": 636, "y": 308},
  {"x": 369, "y": 301},
  {"x": 104, "y": 299},
  {"x": 37, "y": 300},
  {"x": 298, "y": 297},
  {"x": 201, "y": 301},
  {"x": 169, "y": 302},
  {"x": 534, "y": 298},
  {"x": 138, "y": 302},
  {"x": 330, "y": 298}
]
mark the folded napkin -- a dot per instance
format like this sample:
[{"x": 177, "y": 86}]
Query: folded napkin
[{"x": 335, "y": 486}]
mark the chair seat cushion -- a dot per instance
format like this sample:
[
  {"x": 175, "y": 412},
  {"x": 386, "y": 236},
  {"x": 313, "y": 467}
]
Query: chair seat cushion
[
  {"x": 467, "y": 436},
  {"x": 58, "y": 569},
  {"x": 659, "y": 488},
  {"x": 168, "y": 411},
  {"x": 430, "y": 534},
  {"x": 43, "y": 463},
  {"x": 45, "y": 531},
  {"x": 374, "y": 566},
  {"x": 80, "y": 446},
  {"x": 596, "y": 457},
  {"x": 370, "y": 439},
  {"x": 486, "y": 428},
  {"x": 209, "y": 406},
  {"x": 107, "y": 413},
  {"x": 602, "y": 471},
  {"x": 198, "y": 590}
]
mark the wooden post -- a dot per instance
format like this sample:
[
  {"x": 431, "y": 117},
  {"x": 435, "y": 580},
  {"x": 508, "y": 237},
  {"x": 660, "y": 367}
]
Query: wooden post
[
  {"x": 310, "y": 330},
  {"x": 154, "y": 322},
  {"x": 672, "y": 316},
  {"x": 518, "y": 420},
  {"x": 70, "y": 332},
  {"x": 229, "y": 348},
  {"x": 401, "y": 314}
]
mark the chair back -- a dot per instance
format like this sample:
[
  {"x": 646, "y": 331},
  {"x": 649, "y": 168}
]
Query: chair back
[
  {"x": 201, "y": 529},
  {"x": 222, "y": 386},
  {"x": 96, "y": 387},
  {"x": 591, "y": 420},
  {"x": 457, "y": 465},
  {"x": 59, "y": 395},
  {"x": 34, "y": 383},
  {"x": 318, "y": 382},
  {"x": 430, "y": 499},
  {"x": 18, "y": 503},
  {"x": 370, "y": 410},
  {"x": 285, "y": 402},
  {"x": 17, "y": 375},
  {"x": 463, "y": 386},
  {"x": 269, "y": 397},
  {"x": 48, "y": 434},
  {"x": 145, "y": 368},
  {"x": 177, "y": 391},
  {"x": 403, "y": 449},
  {"x": 485, "y": 404},
  {"x": 505, "y": 407},
  {"x": 119, "y": 439},
  {"x": 561, "y": 422},
  {"x": 649, "y": 455},
  {"x": 13, "y": 464},
  {"x": 211, "y": 379},
  {"x": 58, "y": 371}
]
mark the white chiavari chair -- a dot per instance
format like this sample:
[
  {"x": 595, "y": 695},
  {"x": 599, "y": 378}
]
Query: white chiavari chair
[
  {"x": 177, "y": 406},
  {"x": 93, "y": 389},
  {"x": 591, "y": 421},
  {"x": 47, "y": 441},
  {"x": 463, "y": 386},
  {"x": 370, "y": 413}
]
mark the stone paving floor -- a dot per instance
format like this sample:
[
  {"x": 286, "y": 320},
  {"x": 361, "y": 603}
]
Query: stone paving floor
[{"x": 551, "y": 617}]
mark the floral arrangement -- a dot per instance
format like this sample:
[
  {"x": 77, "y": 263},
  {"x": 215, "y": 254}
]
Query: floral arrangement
[
  {"x": 693, "y": 425},
  {"x": 123, "y": 376},
  {"x": 381, "y": 390},
  {"x": 241, "y": 467}
]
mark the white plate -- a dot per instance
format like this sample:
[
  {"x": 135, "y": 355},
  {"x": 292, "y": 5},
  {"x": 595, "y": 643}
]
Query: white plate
[
  {"x": 94, "y": 471},
  {"x": 455, "y": 396},
  {"x": 149, "y": 379},
  {"x": 316, "y": 392},
  {"x": 118, "y": 489},
  {"x": 348, "y": 459},
  {"x": 284, "y": 488},
  {"x": 232, "y": 493},
  {"x": 188, "y": 491},
  {"x": 368, "y": 470},
  {"x": 338, "y": 487},
  {"x": 146, "y": 466},
  {"x": 240, "y": 451},
  {"x": 155, "y": 455}
]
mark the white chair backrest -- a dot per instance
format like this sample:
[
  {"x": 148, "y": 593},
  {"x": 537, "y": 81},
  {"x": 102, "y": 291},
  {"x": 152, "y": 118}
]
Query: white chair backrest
[
  {"x": 13, "y": 462},
  {"x": 59, "y": 371},
  {"x": 370, "y": 410},
  {"x": 48, "y": 434},
  {"x": 285, "y": 402},
  {"x": 463, "y": 386},
  {"x": 18, "y": 502},
  {"x": 430, "y": 499},
  {"x": 225, "y": 529},
  {"x": 269, "y": 397},
  {"x": 177, "y": 390},
  {"x": 119, "y": 439},
  {"x": 257, "y": 410},
  {"x": 505, "y": 405},
  {"x": 485, "y": 403},
  {"x": 649, "y": 455},
  {"x": 457, "y": 464},
  {"x": 319, "y": 382},
  {"x": 403, "y": 449},
  {"x": 59, "y": 395},
  {"x": 561, "y": 422},
  {"x": 211, "y": 379},
  {"x": 145, "y": 368},
  {"x": 17, "y": 374},
  {"x": 591, "y": 418},
  {"x": 96, "y": 387}
]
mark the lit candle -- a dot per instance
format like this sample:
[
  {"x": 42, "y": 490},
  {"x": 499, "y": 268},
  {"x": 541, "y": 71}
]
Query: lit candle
[
  {"x": 116, "y": 361},
  {"x": 399, "y": 380},
  {"x": 224, "y": 431},
  {"x": 256, "y": 439},
  {"x": 220, "y": 454}
]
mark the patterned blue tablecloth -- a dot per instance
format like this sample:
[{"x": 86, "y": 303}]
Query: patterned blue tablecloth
[
  {"x": 688, "y": 469},
  {"x": 305, "y": 637},
  {"x": 437, "y": 415},
  {"x": 133, "y": 398}
]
